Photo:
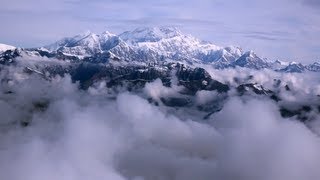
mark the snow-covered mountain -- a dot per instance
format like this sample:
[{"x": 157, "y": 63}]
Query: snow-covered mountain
[
  {"x": 132, "y": 59},
  {"x": 294, "y": 67},
  {"x": 314, "y": 67},
  {"x": 147, "y": 45},
  {"x": 251, "y": 60},
  {"x": 156, "y": 46},
  {"x": 5, "y": 47}
]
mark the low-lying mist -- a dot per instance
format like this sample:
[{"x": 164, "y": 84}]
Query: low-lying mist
[{"x": 52, "y": 130}]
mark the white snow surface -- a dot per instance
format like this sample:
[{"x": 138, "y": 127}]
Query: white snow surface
[
  {"x": 151, "y": 43},
  {"x": 5, "y": 47}
]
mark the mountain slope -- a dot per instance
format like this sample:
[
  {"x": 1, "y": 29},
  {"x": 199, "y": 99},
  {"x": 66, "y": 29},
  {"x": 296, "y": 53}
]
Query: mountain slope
[
  {"x": 251, "y": 60},
  {"x": 5, "y": 47},
  {"x": 294, "y": 67},
  {"x": 156, "y": 45},
  {"x": 147, "y": 45}
]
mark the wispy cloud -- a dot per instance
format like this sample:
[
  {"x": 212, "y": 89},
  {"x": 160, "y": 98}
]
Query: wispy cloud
[{"x": 312, "y": 2}]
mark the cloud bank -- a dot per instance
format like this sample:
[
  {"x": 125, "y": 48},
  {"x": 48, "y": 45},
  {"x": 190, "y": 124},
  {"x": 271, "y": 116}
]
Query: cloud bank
[{"x": 94, "y": 134}]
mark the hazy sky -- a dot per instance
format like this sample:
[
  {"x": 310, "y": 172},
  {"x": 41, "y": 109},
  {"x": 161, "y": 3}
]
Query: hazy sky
[{"x": 276, "y": 29}]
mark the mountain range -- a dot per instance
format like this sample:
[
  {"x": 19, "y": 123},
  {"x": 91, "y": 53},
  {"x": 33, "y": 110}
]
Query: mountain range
[
  {"x": 150, "y": 46},
  {"x": 182, "y": 63}
]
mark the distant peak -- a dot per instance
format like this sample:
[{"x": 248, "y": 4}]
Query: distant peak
[
  {"x": 170, "y": 29},
  {"x": 282, "y": 62},
  {"x": 85, "y": 34},
  {"x": 234, "y": 50},
  {"x": 251, "y": 54},
  {"x": 294, "y": 63},
  {"x": 107, "y": 33},
  {"x": 230, "y": 48}
]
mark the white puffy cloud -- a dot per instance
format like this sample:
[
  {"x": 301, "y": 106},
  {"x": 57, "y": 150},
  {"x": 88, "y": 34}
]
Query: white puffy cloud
[{"x": 87, "y": 135}]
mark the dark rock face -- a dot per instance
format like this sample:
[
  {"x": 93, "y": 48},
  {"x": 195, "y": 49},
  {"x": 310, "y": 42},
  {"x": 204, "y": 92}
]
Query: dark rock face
[
  {"x": 45, "y": 53},
  {"x": 301, "y": 113},
  {"x": 192, "y": 79},
  {"x": 134, "y": 78},
  {"x": 8, "y": 57},
  {"x": 198, "y": 79},
  {"x": 275, "y": 98},
  {"x": 176, "y": 102},
  {"x": 37, "y": 106},
  {"x": 88, "y": 73},
  {"x": 257, "y": 89}
]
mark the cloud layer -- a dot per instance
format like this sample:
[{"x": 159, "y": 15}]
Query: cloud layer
[{"x": 94, "y": 134}]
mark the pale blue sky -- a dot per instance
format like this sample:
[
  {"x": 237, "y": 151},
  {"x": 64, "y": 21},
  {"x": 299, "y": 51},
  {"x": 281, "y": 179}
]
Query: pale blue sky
[{"x": 276, "y": 29}]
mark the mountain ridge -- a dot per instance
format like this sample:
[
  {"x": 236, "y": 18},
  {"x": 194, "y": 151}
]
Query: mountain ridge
[
  {"x": 5, "y": 47},
  {"x": 157, "y": 45}
]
